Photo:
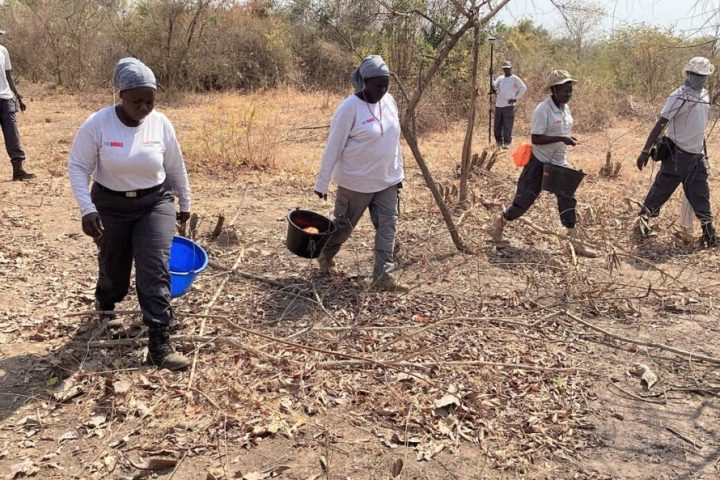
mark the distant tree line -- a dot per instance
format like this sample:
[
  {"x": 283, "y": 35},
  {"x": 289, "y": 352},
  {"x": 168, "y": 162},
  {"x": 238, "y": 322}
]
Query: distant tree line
[{"x": 202, "y": 45}]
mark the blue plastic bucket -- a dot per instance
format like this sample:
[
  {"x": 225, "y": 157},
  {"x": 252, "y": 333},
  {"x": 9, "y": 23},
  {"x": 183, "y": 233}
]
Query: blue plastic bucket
[{"x": 187, "y": 259}]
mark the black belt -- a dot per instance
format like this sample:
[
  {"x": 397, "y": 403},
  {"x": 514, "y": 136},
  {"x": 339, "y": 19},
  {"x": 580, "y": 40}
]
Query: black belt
[{"x": 132, "y": 193}]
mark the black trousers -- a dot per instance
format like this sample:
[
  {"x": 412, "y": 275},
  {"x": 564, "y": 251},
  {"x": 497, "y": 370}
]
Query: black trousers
[
  {"x": 691, "y": 170},
  {"x": 8, "y": 122},
  {"x": 139, "y": 229},
  {"x": 503, "y": 124},
  {"x": 528, "y": 189}
]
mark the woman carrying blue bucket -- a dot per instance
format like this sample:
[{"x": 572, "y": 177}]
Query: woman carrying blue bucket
[
  {"x": 550, "y": 132},
  {"x": 132, "y": 154},
  {"x": 364, "y": 158}
]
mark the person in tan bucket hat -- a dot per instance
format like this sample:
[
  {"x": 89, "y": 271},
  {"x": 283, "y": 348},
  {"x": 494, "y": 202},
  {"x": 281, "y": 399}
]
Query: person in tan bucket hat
[
  {"x": 551, "y": 129},
  {"x": 678, "y": 141}
]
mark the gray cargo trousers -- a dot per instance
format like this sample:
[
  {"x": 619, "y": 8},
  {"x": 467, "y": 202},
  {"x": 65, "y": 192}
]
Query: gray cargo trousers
[
  {"x": 140, "y": 229},
  {"x": 350, "y": 207}
]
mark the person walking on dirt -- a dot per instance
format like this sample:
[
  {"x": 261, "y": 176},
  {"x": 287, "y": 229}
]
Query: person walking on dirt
[
  {"x": 364, "y": 158},
  {"x": 551, "y": 130},
  {"x": 10, "y": 102},
  {"x": 678, "y": 140},
  {"x": 510, "y": 89},
  {"x": 134, "y": 158}
]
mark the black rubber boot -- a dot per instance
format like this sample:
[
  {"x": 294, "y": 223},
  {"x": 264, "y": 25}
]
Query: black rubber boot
[
  {"x": 19, "y": 174},
  {"x": 709, "y": 237},
  {"x": 160, "y": 353}
]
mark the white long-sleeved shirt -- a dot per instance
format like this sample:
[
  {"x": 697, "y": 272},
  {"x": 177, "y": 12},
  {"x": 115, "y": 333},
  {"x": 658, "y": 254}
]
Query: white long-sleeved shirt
[
  {"x": 507, "y": 88},
  {"x": 124, "y": 158},
  {"x": 363, "y": 152}
]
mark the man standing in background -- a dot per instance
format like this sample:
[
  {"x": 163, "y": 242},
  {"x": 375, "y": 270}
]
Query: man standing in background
[
  {"x": 510, "y": 89},
  {"x": 8, "y": 122}
]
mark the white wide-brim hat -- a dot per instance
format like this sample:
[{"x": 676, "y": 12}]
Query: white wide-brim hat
[{"x": 699, "y": 66}]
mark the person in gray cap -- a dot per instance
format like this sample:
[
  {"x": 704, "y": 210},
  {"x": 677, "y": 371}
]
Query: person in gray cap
[
  {"x": 10, "y": 102},
  {"x": 681, "y": 151},
  {"x": 133, "y": 156},
  {"x": 509, "y": 89},
  {"x": 363, "y": 156},
  {"x": 551, "y": 134}
]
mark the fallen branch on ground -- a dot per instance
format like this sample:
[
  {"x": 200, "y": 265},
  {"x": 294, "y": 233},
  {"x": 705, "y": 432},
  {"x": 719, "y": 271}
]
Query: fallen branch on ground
[
  {"x": 209, "y": 307},
  {"x": 249, "y": 276},
  {"x": 458, "y": 363},
  {"x": 668, "y": 348},
  {"x": 235, "y": 342}
]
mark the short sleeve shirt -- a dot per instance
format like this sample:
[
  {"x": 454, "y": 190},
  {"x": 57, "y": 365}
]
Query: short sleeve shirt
[
  {"x": 548, "y": 119},
  {"x": 5, "y": 65},
  {"x": 687, "y": 111}
]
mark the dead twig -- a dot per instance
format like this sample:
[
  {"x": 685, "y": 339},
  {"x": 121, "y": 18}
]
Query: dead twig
[
  {"x": 683, "y": 437},
  {"x": 234, "y": 341},
  {"x": 458, "y": 363},
  {"x": 249, "y": 276},
  {"x": 636, "y": 397},
  {"x": 208, "y": 307},
  {"x": 668, "y": 348}
]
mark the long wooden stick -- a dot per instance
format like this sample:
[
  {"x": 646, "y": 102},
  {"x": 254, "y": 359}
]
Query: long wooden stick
[
  {"x": 249, "y": 276},
  {"x": 208, "y": 307},
  {"x": 459, "y": 363},
  {"x": 235, "y": 342},
  {"x": 668, "y": 348}
]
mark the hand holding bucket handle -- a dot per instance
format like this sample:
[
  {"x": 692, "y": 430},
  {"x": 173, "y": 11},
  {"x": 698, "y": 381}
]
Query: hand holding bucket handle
[{"x": 182, "y": 219}]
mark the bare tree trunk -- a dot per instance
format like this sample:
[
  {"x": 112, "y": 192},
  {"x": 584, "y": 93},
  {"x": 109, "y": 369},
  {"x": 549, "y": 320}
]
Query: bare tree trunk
[
  {"x": 447, "y": 216},
  {"x": 467, "y": 145},
  {"x": 408, "y": 117}
]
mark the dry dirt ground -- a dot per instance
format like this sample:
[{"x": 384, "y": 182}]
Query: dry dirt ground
[{"x": 483, "y": 370}]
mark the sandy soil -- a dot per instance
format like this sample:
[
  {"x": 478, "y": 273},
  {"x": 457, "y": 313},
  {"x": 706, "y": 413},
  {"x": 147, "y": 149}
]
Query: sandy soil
[{"x": 580, "y": 414}]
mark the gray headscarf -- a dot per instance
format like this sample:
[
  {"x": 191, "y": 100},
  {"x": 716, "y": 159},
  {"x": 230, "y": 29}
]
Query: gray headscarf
[
  {"x": 371, "y": 66},
  {"x": 132, "y": 73}
]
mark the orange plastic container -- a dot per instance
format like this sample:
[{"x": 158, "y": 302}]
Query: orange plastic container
[{"x": 521, "y": 156}]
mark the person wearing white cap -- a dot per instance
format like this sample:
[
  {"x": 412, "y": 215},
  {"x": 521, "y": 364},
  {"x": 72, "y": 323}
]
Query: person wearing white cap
[
  {"x": 550, "y": 132},
  {"x": 678, "y": 141},
  {"x": 509, "y": 89},
  {"x": 8, "y": 121}
]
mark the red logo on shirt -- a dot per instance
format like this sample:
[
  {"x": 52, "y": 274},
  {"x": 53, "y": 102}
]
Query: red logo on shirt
[
  {"x": 369, "y": 120},
  {"x": 114, "y": 144}
]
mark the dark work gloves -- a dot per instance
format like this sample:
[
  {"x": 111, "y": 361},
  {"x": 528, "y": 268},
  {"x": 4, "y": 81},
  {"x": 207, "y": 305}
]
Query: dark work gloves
[
  {"x": 642, "y": 159},
  {"x": 182, "y": 217}
]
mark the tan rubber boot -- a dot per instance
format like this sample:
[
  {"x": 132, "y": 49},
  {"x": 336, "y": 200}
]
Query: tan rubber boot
[
  {"x": 685, "y": 235},
  {"x": 496, "y": 229},
  {"x": 389, "y": 284},
  {"x": 643, "y": 228},
  {"x": 110, "y": 319},
  {"x": 327, "y": 265},
  {"x": 577, "y": 244}
]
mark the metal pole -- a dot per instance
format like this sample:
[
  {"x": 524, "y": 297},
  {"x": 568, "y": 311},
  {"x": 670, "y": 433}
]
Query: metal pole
[{"x": 490, "y": 92}]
